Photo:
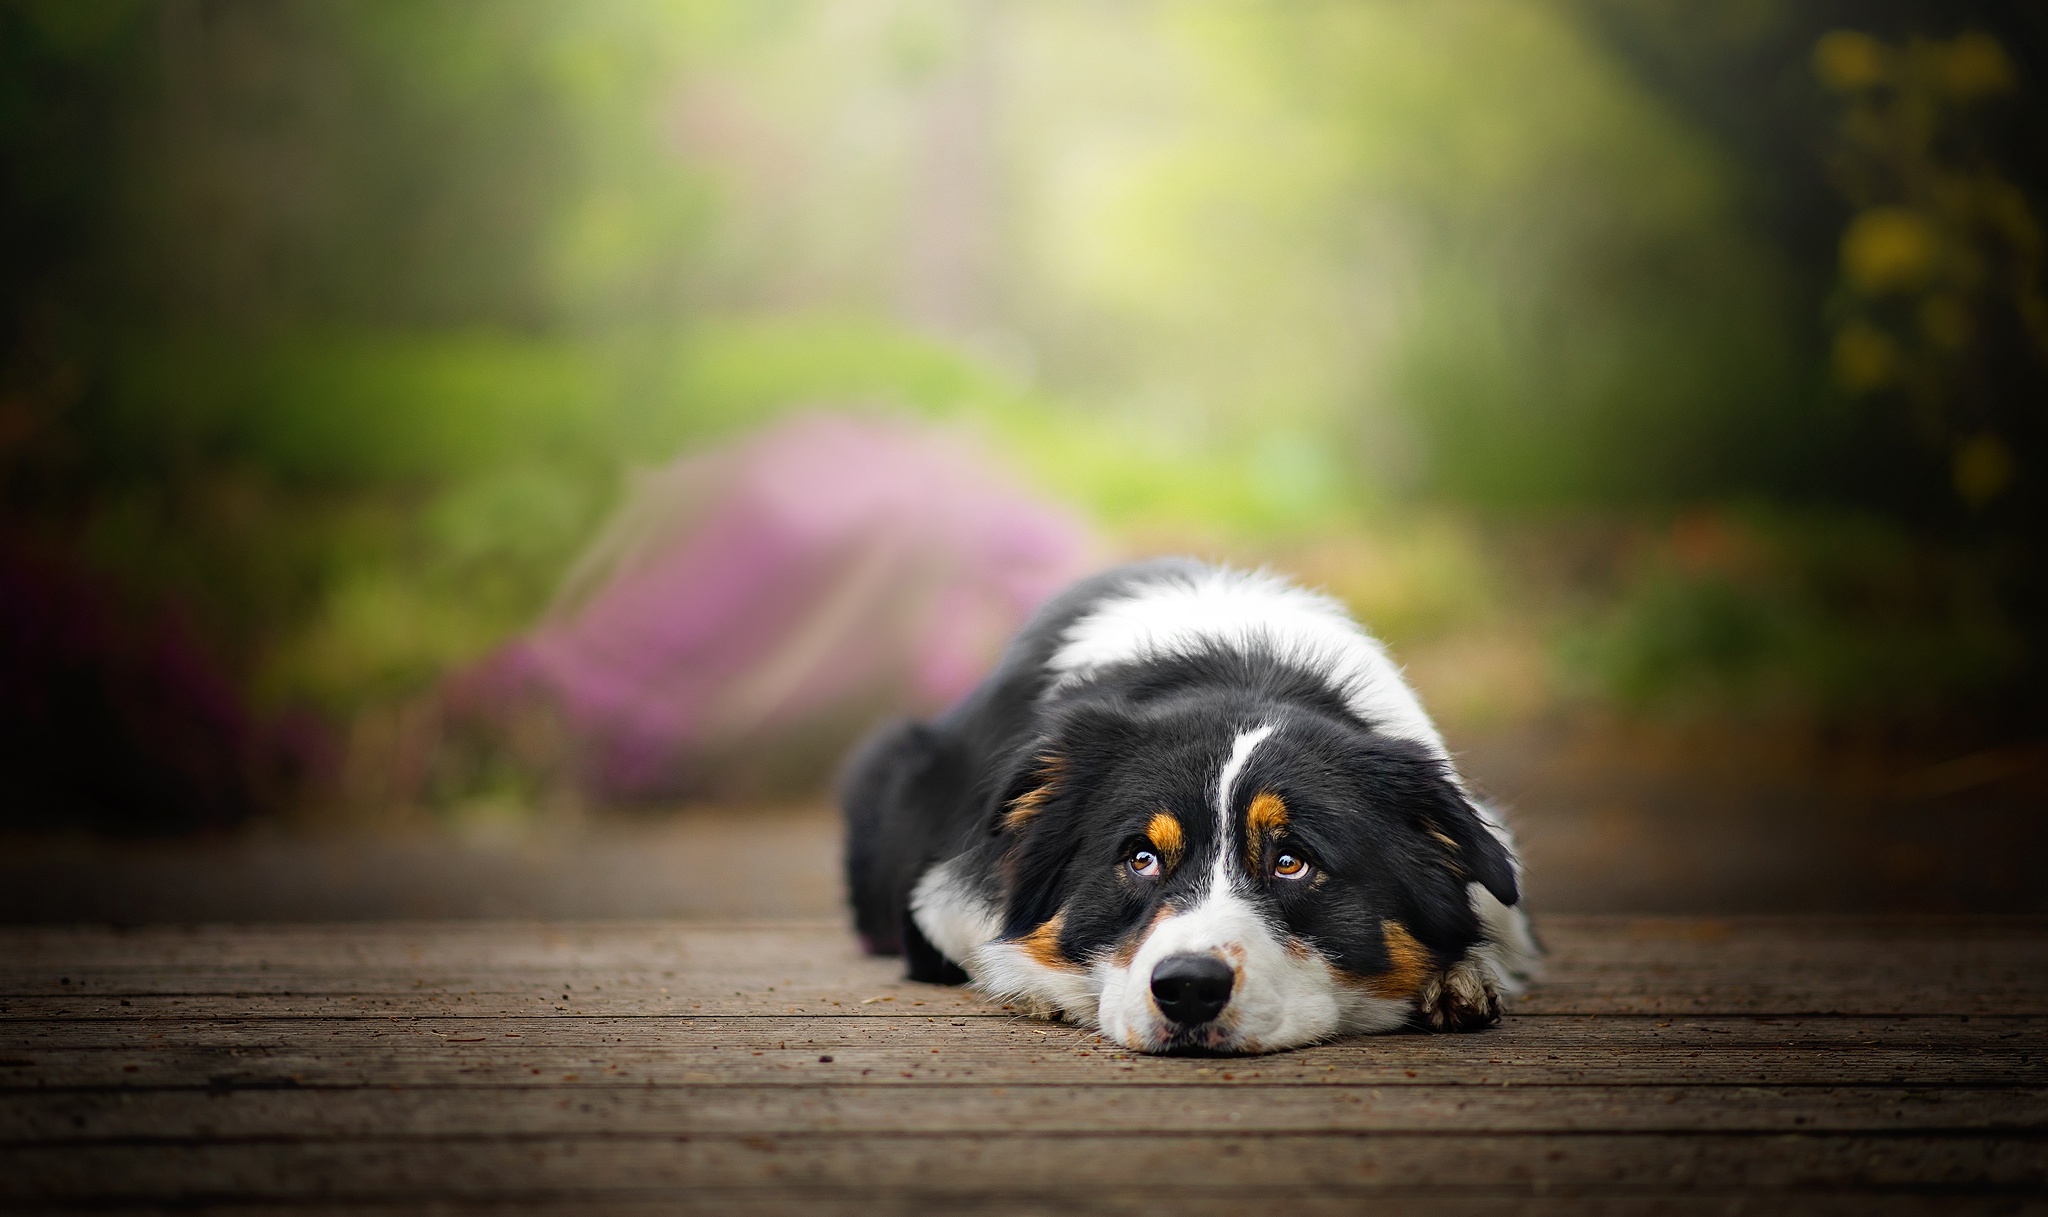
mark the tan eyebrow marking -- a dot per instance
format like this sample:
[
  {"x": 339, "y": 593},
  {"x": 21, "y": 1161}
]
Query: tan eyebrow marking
[
  {"x": 1410, "y": 963},
  {"x": 1043, "y": 943},
  {"x": 1032, "y": 801},
  {"x": 1264, "y": 819},
  {"x": 1167, "y": 837}
]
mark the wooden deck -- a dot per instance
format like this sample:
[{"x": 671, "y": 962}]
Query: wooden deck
[{"x": 1684, "y": 1066}]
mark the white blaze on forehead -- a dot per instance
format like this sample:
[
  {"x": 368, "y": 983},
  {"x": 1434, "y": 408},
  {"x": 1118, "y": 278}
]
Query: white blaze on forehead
[
  {"x": 1240, "y": 752},
  {"x": 1181, "y": 614}
]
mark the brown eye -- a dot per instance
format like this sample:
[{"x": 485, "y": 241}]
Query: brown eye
[
  {"x": 1288, "y": 866},
  {"x": 1145, "y": 863}
]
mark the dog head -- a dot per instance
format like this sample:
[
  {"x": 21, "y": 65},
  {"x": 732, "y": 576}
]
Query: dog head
[{"x": 1234, "y": 875}]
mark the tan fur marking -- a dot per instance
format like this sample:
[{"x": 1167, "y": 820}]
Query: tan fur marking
[
  {"x": 1265, "y": 819},
  {"x": 1451, "y": 850},
  {"x": 1167, "y": 838},
  {"x": 1024, "y": 806},
  {"x": 1410, "y": 964},
  {"x": 1043, "y": 943},
  {"x": 1028, "y": 804}
]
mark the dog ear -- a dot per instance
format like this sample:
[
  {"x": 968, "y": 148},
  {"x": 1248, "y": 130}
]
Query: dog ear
[
  {"x": 1030, "y": 808},
  {"x": 1057, "y": 763},
  {"x": 1030, "y": 781},
  {"x": 1410, "y": 782},
  {"x": 1044, "y": 788},
  {"x": 1480, "y": 854}
]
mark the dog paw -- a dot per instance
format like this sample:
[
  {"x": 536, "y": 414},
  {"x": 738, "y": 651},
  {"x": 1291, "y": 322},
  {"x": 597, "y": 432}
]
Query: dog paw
[{"x": 1464, "y": 998}]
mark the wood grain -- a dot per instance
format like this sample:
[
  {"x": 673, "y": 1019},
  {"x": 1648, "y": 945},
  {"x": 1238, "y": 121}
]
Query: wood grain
[
  {"x": 547, "y": 1109},
  {"x": 1668, "y": 1065},
  {"x": 966, "y": 1164}
]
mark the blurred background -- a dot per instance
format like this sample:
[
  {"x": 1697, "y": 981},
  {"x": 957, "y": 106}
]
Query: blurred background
[{"x": 492, "y": 456}]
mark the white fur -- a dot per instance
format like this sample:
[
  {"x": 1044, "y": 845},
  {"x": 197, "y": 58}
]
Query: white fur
[
  {"x": 1508, "y": 949},
  {"x": 951, "y": 915},
  {"x": 1182, "y": 615},
  {"x": 960, "y": 923},
  {"x": 1004, "y": 971},
  {"x": 1226, "y": 781}
]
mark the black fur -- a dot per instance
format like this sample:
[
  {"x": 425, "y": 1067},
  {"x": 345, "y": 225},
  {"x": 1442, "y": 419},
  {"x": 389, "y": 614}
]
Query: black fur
[{"x": 1391, "y": 834}]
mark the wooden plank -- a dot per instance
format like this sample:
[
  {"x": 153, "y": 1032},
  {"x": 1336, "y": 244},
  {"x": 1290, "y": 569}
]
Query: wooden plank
[
  {"x": 1426, "y": 1062},
  {"x": 763, "y": 954},
  {"x": 595, "y": 993},
  {"x": 1533, "y": 1200},
  {"x": 1643, "y": 966},
  {"x": 694, "y": 995},
  {"x": 1734, "y": 994},
  {"x": 1706, "y": 997},
  {"x": 1636, "y": 944},
  {"x": 556, "y": 1110},
  {"x": 469, "y": 1051},
  {"x": 1516, "y": 1033},
  {"x": 375, "y": 946},
  {"x": 837, "y": 971},
  {"x": 966, "y": 1165}
]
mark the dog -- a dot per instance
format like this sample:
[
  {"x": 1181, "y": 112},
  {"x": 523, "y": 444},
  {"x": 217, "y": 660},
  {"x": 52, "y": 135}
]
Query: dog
[{"x": 1199, "y": 809}]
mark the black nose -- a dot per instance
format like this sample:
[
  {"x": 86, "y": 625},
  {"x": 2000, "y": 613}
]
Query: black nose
[{"x": 1192, "y": 989}]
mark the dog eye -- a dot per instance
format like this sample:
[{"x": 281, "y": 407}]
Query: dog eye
[
  {"x": 1145, "y": 863},
  {"x": 1288, "y": 866}
]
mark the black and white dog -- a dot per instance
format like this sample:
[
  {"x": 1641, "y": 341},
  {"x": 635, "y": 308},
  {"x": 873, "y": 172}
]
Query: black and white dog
[{"x": 1200, "y": 809}]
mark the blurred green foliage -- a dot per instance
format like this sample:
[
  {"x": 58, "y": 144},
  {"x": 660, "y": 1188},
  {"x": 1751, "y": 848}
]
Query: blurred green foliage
[
  {"x": 1760, "y": 615},
  {"x": 1463, "y": 244},
  {"x": 338, "y": 323}
]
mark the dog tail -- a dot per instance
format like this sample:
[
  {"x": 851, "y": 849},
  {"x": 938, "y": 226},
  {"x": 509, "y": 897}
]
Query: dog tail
[{"x": 876, "y": 790}]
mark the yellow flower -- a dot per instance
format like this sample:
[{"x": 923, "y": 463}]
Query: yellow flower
[
  {"x": 1846, "y": 60},
  {"x": 1974, "y": 66},
  {"x": 1889, "y": 249}
]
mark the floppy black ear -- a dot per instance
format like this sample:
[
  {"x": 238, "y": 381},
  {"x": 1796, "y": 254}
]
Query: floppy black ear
[
  {"x": 1029, "y": 780},
  {"x": 1407, "y": 780},
  {"x": 1037, "y": 802},
  {"x": 1480, "y": 853},
  {"x": 1057, "y": 762}
]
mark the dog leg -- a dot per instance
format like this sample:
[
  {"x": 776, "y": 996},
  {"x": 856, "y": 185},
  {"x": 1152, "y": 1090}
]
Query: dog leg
[{"x": 925, "y": 962}]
